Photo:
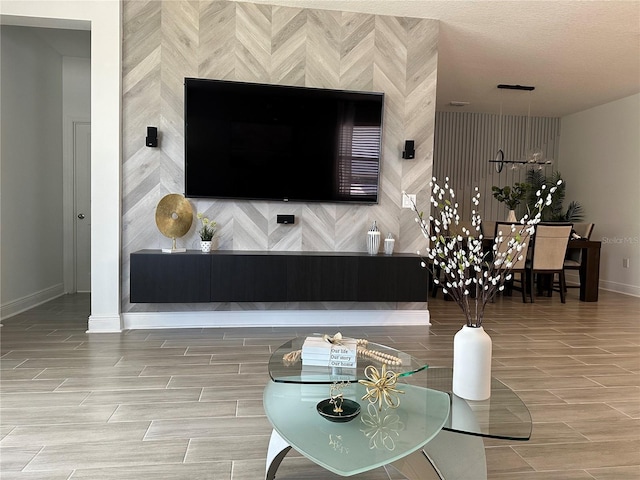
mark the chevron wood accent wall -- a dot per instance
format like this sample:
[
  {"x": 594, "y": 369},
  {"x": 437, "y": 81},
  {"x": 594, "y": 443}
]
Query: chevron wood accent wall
[{"x": 165, "y": 41}]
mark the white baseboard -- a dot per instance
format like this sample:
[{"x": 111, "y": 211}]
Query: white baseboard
[
  {"x": 620, "y": 288},
  {"x": 574, "y": 279},
  {"x": 104, "y": 324},
  {"x": 14, "y": 307},
  {"x": 270, "y": 318}
]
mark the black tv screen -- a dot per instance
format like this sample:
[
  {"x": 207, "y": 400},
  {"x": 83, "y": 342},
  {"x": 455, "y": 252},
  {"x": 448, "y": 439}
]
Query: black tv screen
[{"x": 272, "y": 142}]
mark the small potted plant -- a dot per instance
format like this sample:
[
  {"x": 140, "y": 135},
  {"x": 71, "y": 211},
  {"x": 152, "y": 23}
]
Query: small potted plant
[
  {"x": 206, "y": 233},
  {"x": 511, "y": 197}
]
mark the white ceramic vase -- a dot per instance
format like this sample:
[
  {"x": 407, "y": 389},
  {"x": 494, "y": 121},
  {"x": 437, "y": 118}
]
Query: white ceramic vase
[
  {"x": 373, "y": 242},
  {"x": 511, "y": 217},
  {"x": 388, "y": 245},
  {"x": 205, "y": 246},
  {"x": 472, "y": 363}
]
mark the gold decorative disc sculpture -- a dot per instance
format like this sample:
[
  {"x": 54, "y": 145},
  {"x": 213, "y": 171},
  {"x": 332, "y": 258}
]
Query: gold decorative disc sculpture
[{"x": 174, "y": 216}]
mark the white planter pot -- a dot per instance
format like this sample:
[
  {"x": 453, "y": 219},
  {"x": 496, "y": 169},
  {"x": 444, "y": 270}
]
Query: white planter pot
[
  {"x": 205, "y": 246},
  {"x": 472, "y": 363}
]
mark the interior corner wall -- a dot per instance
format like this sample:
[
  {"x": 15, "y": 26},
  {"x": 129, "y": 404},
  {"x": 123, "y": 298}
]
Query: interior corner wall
[
  {"x": 31, "y": 197},
  {"x": 166, "y": 41},
  {"x": 600, "y": 161}
]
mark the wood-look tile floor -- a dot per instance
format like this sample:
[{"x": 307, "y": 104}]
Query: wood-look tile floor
[{"x": 187, "y": 404}]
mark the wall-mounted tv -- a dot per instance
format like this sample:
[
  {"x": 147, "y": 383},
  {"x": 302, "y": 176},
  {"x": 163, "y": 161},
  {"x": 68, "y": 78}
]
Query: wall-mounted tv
[{"x": 270, "y": 142}]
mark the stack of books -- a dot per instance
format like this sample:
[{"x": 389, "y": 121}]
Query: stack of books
[{"x": 316, "y": 351}]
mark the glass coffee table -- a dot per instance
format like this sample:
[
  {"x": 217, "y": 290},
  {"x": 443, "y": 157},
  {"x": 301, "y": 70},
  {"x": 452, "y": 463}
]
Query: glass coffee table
[{"x": 423, "y": 438}]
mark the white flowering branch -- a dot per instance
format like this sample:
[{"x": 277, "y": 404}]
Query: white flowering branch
[{"x": 472, "y": 276}]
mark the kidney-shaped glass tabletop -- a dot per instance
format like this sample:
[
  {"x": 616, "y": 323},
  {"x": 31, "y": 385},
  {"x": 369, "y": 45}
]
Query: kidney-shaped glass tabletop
[
  {"x": 504, "y": 415},
  {"x": 375, "y": 437},
  {"x": 285, "y": 364}
]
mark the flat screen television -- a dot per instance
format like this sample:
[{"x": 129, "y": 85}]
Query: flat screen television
[{"x": 270, "y": 142}]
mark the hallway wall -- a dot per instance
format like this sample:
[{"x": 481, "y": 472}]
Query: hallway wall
[{"x": 31, "y": 192}]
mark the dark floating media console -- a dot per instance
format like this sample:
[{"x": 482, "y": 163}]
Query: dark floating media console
[{"x": 250, "y": 276}]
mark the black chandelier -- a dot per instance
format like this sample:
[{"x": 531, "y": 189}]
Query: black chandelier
[{"x": 534, "y": 157}]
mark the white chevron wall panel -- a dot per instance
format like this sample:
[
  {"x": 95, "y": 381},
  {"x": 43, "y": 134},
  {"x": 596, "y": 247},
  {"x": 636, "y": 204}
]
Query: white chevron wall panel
[
  {"x": 318, "y": 227},
  {"x": 288, "y": 46},
  {"x": 253, "y": 42},
  {"x": 165, "y": 41},
  {"x": 322, "y": 67},
  {"x": 356, "y": 51},
  {"x": 217, "y": 40}
]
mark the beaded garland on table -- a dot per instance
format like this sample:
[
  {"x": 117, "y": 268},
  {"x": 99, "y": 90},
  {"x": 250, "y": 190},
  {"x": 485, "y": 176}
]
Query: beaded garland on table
[
  {"x": 361, "y": 350},
  {"x": 381, "y": 357}
]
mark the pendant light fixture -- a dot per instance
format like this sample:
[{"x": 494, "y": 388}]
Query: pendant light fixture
[{"x": 532, "y": 157}]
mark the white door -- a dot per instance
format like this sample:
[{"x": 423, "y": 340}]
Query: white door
[{"x": 82, "y": 205}]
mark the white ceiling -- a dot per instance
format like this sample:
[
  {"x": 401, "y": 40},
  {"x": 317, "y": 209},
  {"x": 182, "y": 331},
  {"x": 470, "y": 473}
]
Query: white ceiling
[{"x": 578, "y": 54}]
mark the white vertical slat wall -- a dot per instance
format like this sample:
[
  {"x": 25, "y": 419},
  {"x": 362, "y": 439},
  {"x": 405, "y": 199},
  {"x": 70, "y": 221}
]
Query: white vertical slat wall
[{"x": 465, "y": 142}]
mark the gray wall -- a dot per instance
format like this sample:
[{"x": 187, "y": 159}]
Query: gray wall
[
  {"x": 31, "y": 169},
  {"x": 600, "y": 152},
  {"x": 167, "y": 41},
  {"x": 42, "y": 91}
]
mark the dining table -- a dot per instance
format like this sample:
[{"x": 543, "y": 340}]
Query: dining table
[{"x": 589, "y": 268}]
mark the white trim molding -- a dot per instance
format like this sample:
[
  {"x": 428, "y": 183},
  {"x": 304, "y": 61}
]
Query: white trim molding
[
  {"x": 23, "y": 304},
  {"x": 273, "y": 318},
  {"x": 105, "y": 324},
  {"x": 617, "y": 287}
]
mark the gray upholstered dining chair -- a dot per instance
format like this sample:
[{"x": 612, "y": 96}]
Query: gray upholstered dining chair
[
  {"x": 549, "y": 249},
  {"x": 488, "y": 228},
  {"x": 573, "y": 258}
]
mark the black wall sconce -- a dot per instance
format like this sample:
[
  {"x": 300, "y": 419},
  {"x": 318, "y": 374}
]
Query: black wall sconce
[
  {"x": 409, "y": 149},
  {"x": 152, "y": 137}
]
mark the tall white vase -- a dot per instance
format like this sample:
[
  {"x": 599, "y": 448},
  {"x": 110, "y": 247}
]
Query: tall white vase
[
  {"x": 373, "y": 242},
  {"x": 511, "y": 217},
  {"x": 373, "y": 239},
  {"x": 472, "y": 363}
]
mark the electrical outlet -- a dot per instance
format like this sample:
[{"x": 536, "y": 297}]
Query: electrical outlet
[
  {"x": 625, "y": 263},
  {"x": 408, "y": 200}
]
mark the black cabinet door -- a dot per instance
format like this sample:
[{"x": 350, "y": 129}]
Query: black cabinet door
[
  {"x": 412, "y": 282},
  {"x": 317, "y": 278},
  {"x": 391, "y": 279},
  {"x": 170, "y": 278},
  {"x": 248, "y": 278},
  {"x": 376, "y": 279}
]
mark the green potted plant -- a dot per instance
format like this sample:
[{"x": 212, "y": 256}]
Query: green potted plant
[
  {"x": 206, "y": 232},
  {"x": 511, "y": 197},
  {"x": 554, "y": 212}
]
